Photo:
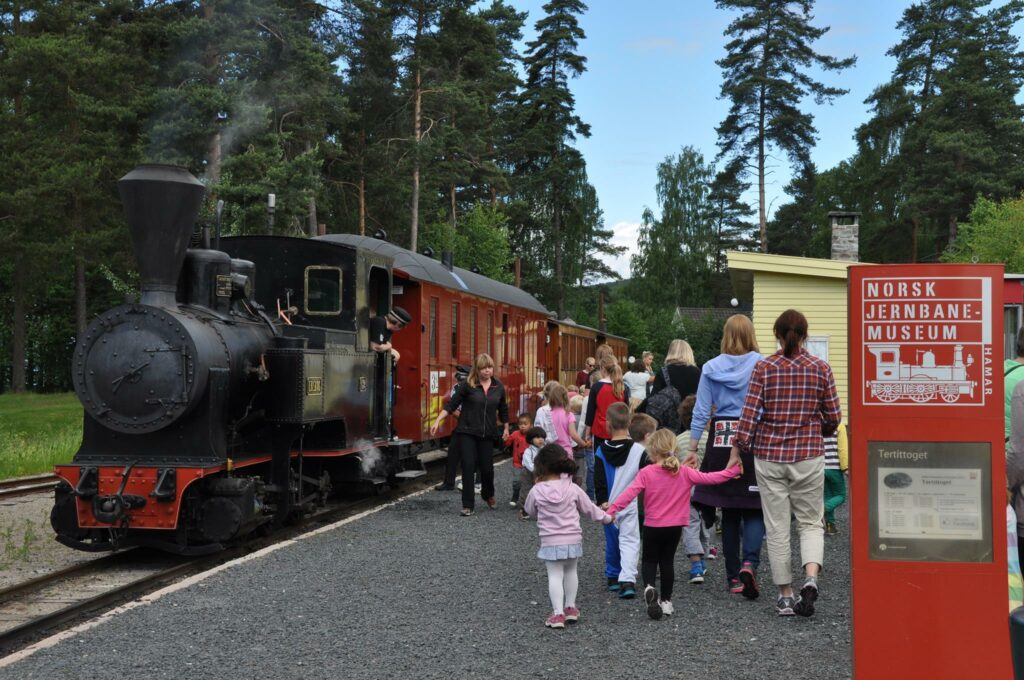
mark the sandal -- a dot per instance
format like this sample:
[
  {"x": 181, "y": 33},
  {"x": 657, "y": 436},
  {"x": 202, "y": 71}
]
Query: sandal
[{"x": 466, "y": 512}]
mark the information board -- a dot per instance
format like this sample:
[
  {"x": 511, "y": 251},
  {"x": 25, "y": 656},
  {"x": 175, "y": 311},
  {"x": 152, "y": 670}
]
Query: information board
[
  {"x": 927, "y": 471},
  {"x": 930, "y": 501}
]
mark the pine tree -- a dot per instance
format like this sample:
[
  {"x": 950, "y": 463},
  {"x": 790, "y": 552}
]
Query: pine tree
[
  {"x": 729, "y": 213},
  {"x": 946, "y": 127},
  {"x": 765, "y": 78},
  {"x": 548, "y": 125}
]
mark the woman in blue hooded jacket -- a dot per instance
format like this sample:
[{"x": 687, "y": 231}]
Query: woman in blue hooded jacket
[{"x": 723, "y": 386}]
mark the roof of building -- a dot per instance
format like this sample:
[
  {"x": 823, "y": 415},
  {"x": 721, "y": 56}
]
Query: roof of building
[
  {"x": 423, "y": 268},
  {"x": 567, "y": 321},
  {"x": 717, "y": 313},
  {"x": 742, "y": 266}
]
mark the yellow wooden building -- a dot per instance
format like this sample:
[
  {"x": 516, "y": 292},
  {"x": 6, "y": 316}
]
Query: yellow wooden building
[{"x": 771, "y": 284}]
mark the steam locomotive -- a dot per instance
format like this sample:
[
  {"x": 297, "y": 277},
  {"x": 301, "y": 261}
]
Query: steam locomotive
[
  {"x": 240, "y": 389},
  {"x": 900, "y": 380}
]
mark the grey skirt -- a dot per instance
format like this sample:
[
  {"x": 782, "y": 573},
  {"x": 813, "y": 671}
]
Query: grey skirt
[{"x": 560, "y": 552}]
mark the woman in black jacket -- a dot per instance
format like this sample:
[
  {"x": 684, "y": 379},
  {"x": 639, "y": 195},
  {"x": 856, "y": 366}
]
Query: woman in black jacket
[
  {"x": 483, "y": 403},
  {"x": 682, "y": 370}
]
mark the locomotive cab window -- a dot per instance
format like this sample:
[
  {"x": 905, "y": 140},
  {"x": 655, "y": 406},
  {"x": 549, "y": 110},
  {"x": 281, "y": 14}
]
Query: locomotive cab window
[{"x": 323, "y": 291}]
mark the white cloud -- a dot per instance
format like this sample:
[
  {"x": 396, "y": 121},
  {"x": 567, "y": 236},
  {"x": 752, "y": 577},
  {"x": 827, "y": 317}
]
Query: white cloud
[{"x": 624, "y": 234}]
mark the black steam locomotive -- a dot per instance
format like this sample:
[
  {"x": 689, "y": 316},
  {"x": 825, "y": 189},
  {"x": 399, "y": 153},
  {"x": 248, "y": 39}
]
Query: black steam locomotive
[{"x": 208, "y": 415}]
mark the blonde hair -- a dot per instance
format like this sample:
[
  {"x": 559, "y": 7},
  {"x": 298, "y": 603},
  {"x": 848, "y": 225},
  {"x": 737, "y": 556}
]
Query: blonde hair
[
  {"x": 634, "y": 404},
  {"x": 610, "y": 367},
  {"x": 680, "y": 352},
  {"x": 576, "y": 404},
  {"x": 738, "y": 336},
  {"x": 661, "y": 447},
  {"x": 482, "y": 361},
  {"x": 558, "y": 396}
]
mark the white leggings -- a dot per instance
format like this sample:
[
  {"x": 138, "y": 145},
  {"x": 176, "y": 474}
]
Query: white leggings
[{"x": 562, "y": 584}]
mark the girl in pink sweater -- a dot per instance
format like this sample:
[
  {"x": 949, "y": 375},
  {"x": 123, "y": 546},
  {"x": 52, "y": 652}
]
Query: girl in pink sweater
[
  {"x": 666, "y": 486},
  {"x": 557, "y": 504}
]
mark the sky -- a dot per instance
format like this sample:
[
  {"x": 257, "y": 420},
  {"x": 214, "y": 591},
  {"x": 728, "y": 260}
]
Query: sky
[{"x": 652, "y": 87}]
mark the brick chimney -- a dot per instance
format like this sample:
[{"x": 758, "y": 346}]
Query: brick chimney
[{"x": 845, "y": 235}]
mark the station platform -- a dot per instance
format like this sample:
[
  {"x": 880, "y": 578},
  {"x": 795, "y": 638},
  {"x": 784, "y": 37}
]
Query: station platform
[{"x": 414, "y": 590}]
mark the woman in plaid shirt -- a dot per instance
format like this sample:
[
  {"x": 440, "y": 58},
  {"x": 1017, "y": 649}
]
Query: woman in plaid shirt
[{"x": 791, "y": 403}]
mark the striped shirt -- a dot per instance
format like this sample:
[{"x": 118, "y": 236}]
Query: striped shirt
[
  {"x": 831, "y": 453},
  {"x": 791, "y": 404}
]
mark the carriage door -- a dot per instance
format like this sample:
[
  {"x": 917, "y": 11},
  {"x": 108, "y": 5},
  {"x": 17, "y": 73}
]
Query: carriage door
[{"x": 379, "y": 298}]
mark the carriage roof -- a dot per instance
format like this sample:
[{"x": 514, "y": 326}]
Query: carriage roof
[{"x": 429, "y": 270}]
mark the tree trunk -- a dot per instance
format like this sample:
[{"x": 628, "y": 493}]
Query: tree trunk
[
  {"x": 362, "y": 183},
  {"x": 311, "y": 221},
  {"x": 556, "y": 237},
  {"x": 417, "y": 124},
  {"x": 451, "y": 205},
  {"x": 18, "y": 325},
  {"x": 915, "y": 225},
  {"x": 211, "y": 60},
  {"x": 80, "y": 297},
  {"x": 762, "y": 217},
  {"x": 362, "y": 205}
]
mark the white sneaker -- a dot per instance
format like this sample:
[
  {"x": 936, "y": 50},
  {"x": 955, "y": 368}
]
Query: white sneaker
[
  {"x": 477, "y": 487},
  {"x": 511, "y": 504},
  {"x": 459, "y": 486},
  {"x": 666, "y": 608}
]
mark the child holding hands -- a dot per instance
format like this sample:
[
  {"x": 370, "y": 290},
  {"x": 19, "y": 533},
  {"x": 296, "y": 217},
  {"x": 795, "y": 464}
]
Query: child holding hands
[
  {"x": 557, "y": 504},
  {"x": 666, "y": 486}
]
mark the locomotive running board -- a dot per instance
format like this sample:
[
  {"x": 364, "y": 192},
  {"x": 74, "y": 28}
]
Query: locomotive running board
[{"x": 410, "y": 474}]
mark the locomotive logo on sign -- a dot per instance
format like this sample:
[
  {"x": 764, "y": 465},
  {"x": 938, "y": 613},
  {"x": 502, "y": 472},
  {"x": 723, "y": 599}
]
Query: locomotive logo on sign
[{"x": 927, "y": 340}]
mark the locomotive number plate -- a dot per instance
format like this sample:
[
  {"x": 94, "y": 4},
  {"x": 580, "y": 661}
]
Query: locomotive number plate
[
  {"x": 223, "y": 286},
  {"x": 314, "y": 385}
]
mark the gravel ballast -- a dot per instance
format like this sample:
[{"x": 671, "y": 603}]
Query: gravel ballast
[{"x": 418, "y": 591}]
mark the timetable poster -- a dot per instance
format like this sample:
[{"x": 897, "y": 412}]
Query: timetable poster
[{"x": 930, "y": 501}]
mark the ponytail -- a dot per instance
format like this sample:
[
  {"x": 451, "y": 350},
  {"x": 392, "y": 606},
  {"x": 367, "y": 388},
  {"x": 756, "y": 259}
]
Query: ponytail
[
  {"x": 662, "y": 444},
  {"x": 610, "y": 367},
  {"x": 791, "y": 331}
]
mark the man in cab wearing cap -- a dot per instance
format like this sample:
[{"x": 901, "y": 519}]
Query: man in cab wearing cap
[{"x": 381, "y": 328}]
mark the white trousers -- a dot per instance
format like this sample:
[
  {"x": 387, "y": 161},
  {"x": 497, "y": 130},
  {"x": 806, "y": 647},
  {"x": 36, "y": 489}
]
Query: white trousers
[
  {"x": 797, "y": 489},
  {"x": 629, "y": 546}
]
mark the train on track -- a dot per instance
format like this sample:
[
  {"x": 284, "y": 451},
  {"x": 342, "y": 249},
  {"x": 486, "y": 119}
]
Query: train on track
[{"x": 240, "y": 390}]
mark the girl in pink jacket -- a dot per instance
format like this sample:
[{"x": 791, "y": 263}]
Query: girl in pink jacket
[
  {"x": 557, "y": 504},
  {"x": 666, "y": 486}
]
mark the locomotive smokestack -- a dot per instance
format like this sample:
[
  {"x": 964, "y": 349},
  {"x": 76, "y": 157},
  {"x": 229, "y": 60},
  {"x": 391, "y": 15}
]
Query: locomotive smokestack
[{"x": 161, "y": 203}]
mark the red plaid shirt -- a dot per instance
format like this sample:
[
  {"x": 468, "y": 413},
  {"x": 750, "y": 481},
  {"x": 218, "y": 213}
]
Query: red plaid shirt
[{"x": 790, "y": 405}]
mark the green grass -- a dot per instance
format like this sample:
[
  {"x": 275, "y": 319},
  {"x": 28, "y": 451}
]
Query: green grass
[{"x": 38, "y": 431}]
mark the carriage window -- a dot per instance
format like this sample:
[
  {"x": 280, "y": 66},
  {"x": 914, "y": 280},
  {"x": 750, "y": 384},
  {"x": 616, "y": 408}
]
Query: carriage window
[
  {"x": 433, "y": 328},
  {"x": 521, "y": 340},
  {"x": 323, "y": 291},
  {"x": 504, "y": 338},
  {"x": 472, "y": 332},
  {"x": 490, "y": 333},
  {"x": 455, "y": 330}
]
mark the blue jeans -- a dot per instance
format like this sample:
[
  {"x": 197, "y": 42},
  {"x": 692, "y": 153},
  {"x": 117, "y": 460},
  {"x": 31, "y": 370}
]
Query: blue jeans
[
  {"x": 588, "y": 455},
  {"x": 750, "y": 524}
]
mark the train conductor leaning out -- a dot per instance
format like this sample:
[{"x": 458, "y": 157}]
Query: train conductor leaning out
[{"x": 381, "y": 328}]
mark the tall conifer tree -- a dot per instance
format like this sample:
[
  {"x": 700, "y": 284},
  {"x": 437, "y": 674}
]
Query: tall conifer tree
[{"x": 765, "y": 77}]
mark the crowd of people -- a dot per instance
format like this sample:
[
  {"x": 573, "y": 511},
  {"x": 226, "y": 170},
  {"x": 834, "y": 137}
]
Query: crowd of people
[{"x": 657, "y": 455}]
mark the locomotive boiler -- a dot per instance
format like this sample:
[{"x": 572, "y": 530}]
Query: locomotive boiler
[{"x": 199, "y": 406}]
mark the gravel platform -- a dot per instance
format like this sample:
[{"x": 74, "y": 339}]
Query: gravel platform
[{"x": 416, "y": 591}]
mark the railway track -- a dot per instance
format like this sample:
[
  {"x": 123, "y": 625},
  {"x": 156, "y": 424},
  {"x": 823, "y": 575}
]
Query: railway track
[
  {"x": 27, "y": 485},
  {"x": 50, "y": 603}
]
